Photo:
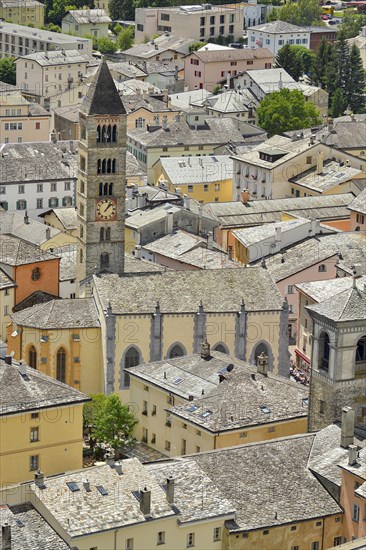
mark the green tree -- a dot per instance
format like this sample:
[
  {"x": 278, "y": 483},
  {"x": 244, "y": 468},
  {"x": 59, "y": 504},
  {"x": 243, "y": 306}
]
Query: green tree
[
  {"x": 8, "y": 70},
  {"x": 321, "y": 62},
  {"x": 338, "y": 104},
  {"x": 351, "y": 25},
  {"x": 287, "y": 60},
  {"x": 196, "y": 46},
  {"x": 114, "y": 423},
  {"x": 302, "y": 13},
  {"x": 286, "y": 110},
  {"x": 105, "y": 45},
  {"x": 355, "y": 89},
  {"x": 125, "y": 38},
  {"x": 122, "y": 9}
]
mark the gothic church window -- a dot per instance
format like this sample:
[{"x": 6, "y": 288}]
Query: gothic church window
[
  {"x": 324, "y": 351},
  {"x": 176, "y": 351},
  {"x": 61, "y": 365},
  {"x": 104, "y": 260},
  {"x": 32, "y": 357}
]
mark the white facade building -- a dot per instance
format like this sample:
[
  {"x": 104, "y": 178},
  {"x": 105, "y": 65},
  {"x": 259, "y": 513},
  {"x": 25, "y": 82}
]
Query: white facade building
[{"x": 275, "y": 35}]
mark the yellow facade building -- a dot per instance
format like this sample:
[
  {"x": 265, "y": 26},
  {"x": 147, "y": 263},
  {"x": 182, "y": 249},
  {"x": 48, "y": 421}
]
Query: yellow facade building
[
  {"x": 23, "y": 12},
  {"x": 205, "y": 179},
  {"x": 211, "y": 400},
  {"x": 41, "y": 424}
]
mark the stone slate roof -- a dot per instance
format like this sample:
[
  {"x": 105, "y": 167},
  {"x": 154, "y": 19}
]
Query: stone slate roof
[
  {"x": 216, "y": 131},
  {"x": 14, "y": 251},
  {"x": 195, "y": 495},
  {"x": 231, "y": 214},
  {"x": 196, "y": 373},
  {"x": 278, "y": 27},
  {"x": 237, "y": 402},
  {"x": 333, "y": 174},
  {"x": 64, "y": 57},
  {"x": 102, "y": 97},
  {"x": 219, "y": 290},
  {"x": 12, "y": 223},
  {"x": 87, "y": 16},
  {"x": 129, "y": 70},
  {"x": 66, "y": 216},
  {"x": 352, "y": 247},
  {"x": 346, "y": 134},
  {"x": 134, "y": 102},
  {"x": 253, "y": 235},
  {"x": 37, "y": 297},
  {"x": 159, "y": 45},
  {"x": 5, "y": 280},
  {"x": 191, "y": 170},
  {"x": 63, "y": 314},
  {"x": 322, "y": 290},
  {"x": 359, "y": 203},
  {"x": 34, "y": 533},
  {"x": 82, "y": 513},
  {"x": 269, "y": 483},
  {"x": 67, "y": 262},
  {"x": 232, "y": 54},
  {"x": 33, "y": 391},
  {"x": 348, "y": 305},
  {"x": 41, "y": 161}
]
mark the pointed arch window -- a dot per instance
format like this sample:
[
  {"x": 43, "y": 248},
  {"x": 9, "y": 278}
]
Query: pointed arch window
[
  {"x": 104, "y": 134},
  {"x": 109, "y": 133},
  {"x": 61, "y": 365},
  {"x": 221, "y": 348},
  {"x": 32, "y": 359},
  {"x": 113, "y": 166},
  {"x": 99, "y": 166},
  {"x": 108, "y": 234},
  {"x": 103, "y": 166},
  {"x": 81, "y": 256},
  {"x": 176, "y": 351},
  {"x": 101, "y": 234},
  {"x": 361, "y": 350},
  {"x": 109, "y": 166},
  {"x": 324, "y": 351},
  {"x": 98, "y": 134},
  {"x": 114, "y": 133},
  {"x": 110, "y": 189}
]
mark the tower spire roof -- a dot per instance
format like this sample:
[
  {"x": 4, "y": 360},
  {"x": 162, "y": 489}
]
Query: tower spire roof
[{"x": 103, "y": 98}]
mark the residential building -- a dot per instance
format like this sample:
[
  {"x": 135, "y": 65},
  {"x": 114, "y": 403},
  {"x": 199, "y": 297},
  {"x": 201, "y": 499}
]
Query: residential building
[
  {"x": 314, "y": 259},
  {"x": 255, "y": 13},
  {"x": 191, "y": 511},
  {"x": 317, "y": 34},
  {"x": 197, "y": 22},
  {"x": 56, "y": 331},
  {"x": 347, "y": 133},
  {"x": 68, "y": 284},
  {"x": 181, "y": 138},
  {"x": 165, "y": 75},
  {"x": 22, "y": 523},
  {"x": 37, "y": 176},
  {"x": 45, "y": 74},
  {"x": 144, "y": 226},
  {"x": 180, "y": 250},
  {"x": 330, "y": 209},
  {"x": 266, "y": 170},
  {"x": 353, "y": 496},
  {"x": 205, "y": 68},
  {"x": 86, "y": 22},
  {"x": 32, "y": 435},
  {"x": 276, "y": 34},
  {"x": 168, "y": 47},
  {"x": 338, "y": 361},
  {"x": 144, "y": 197},
  {"x": 31, "y": 268},
  {"x": 19, "y": 40},
  {"x": 311, "y": 293},
  {"x": 328, "y": 178},
  {"x": 124, "y": 70},
  {"x": 148, "y": 110},
  {"x": 256, "y": 243},
  {"x": 260, "y": 83},
  {"x": 358, "y": 212},
  {"x": 210, "y": 400},
  {"x": 23, "y": 12},
  {"x": 360, "y": 42},
  {"x": 205, "y": 179},
  {"x": 64, "y": 219},
  {"x": 22, "y": 121}
]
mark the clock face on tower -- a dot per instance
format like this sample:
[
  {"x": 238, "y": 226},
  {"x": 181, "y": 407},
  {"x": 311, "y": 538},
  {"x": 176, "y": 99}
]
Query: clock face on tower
[{"x": 106, "y": 209}]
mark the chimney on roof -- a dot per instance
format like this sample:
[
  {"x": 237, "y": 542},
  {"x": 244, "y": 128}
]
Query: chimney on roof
[
  {"x": 230, "y": 253},
  {"x": 86, "y": 485},
  {"x": 352, "y": 455},
  {"x": 22, "y": 367},
  {"x": 187, "y": 202},
  {"x": 278, "y": 233},
  {"x": 205, "y": 349},
  {"x": 347, "y": 427},
  {"x": 330, "y": 124},
  {"x": 165, "y": 122},
  {"x": 262, "y": 364},
  {"x": 8, "y": 359},
  {"x": 39, "y": 478},
  {"x": 169, "y": 223},
  {"x": 142, "y": 200},
  {"x": 145, "y": 501},
  {"x": 26, "y": 218},
  {"x": 245, "y": 195},
  {"x": 319, "y": 162},
  {"x": 170, "y": 489},
  {"x": 109, "y": 459},
  {"x": 48, "y": 233},
  {"x": 118, "y": 468},
  {"x": 6, "y": 537},
  {"x": 210, "y": 240}
]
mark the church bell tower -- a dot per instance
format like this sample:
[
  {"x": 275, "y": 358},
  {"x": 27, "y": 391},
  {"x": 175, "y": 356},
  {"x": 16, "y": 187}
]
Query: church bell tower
[{"x": 100, "y": 194}]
